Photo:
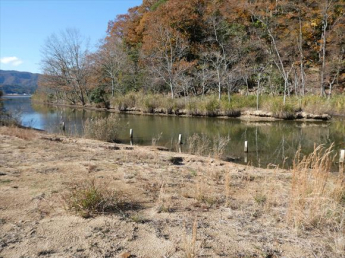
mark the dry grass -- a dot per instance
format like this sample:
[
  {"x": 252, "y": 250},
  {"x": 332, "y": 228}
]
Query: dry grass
[
  {"x": 227, "y": 189},
  {"x": 190, "y": 248},
  {"x": 163, "y": 202},
  {"x": 241, "y": 210},
  {"x": 317, "y": 196},
  {"x": 104, "y": 129},
  {"x": 22, "y": 133},
  {"x": 206, "y": 146}
]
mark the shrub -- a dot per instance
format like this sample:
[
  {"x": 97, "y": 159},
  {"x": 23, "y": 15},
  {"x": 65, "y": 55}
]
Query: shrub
[
  {"x": 98, "y": 96},
  {"x": 104, "y": 129},
  {"x": 88, "y": 200}
]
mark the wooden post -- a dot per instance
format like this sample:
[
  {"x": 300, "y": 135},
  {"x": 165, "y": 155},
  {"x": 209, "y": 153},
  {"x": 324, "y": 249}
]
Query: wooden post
[
  {"x": 131, "y": 133},
  {"x": 246, "y": 158},
  {"x": 180, "y": 139},
  {"x": 246, "y": 146}
]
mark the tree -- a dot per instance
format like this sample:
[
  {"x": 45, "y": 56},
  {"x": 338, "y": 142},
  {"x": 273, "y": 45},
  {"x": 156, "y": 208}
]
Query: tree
[
  {"x": 66, "y": 66},
  {"x": 110, "y": 62},
  {"x": 165, "y": 50}
]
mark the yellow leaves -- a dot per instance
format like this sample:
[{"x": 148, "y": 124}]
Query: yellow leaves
[{"x": 314, "y": 23}]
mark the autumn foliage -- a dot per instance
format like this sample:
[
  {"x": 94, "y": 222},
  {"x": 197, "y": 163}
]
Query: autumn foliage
[{"x": 200, "y": 47}]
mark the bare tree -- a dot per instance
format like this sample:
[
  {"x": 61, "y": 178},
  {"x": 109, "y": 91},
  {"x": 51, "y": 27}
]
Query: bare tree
[
  {"x": 329, "y": 25},
  {"x": 65, "y": 65},
  {"x": 166, "y": 56},
  {"x": 204, "y": 75},
  {"x": 111, "y": 60}
]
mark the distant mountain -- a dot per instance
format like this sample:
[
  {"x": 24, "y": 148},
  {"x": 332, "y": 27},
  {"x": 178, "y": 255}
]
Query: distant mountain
[{"x": 14, "y": 82}]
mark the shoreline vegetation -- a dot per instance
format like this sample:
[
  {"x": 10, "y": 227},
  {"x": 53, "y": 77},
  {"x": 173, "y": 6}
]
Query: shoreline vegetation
[
  {"x": 277, "y": 59},
  {"x": 66, "y": 196},
  {"x": 246, "y": 107}
]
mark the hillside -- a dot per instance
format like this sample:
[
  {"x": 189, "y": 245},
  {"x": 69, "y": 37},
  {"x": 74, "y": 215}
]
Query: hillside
[{"x": 14, "y": 82}]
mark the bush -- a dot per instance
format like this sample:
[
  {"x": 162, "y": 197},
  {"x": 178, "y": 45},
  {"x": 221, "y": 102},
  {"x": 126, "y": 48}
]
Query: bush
[
  {"x": 88, "y": 200},
  {"x": 98, "y": 96},
  {"x": 104, "y": 129}
]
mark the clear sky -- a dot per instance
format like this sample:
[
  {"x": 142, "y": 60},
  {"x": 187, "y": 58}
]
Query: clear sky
[{"x": 26, "y": 24}]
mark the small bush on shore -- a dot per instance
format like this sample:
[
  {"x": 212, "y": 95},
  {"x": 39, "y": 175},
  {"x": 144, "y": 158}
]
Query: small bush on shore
[{"x": 104, "y": 129}]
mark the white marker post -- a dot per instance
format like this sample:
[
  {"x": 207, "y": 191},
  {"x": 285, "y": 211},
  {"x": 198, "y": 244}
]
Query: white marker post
[
  {"x": 131, "y": 133},
  {"x": 246, "y": 146},
  {"x": 180, "y": 139},
  {"x": 63, "y": 127},
  {"x": 342, "y": 156},
  {"x": 341, "y": 162}
]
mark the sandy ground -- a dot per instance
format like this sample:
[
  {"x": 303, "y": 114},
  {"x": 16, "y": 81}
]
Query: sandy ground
[{"x": 236, "y": 210}]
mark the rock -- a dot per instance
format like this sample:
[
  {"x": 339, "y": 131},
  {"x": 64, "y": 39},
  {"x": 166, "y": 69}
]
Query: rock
[{"x": 125, "y": 255}]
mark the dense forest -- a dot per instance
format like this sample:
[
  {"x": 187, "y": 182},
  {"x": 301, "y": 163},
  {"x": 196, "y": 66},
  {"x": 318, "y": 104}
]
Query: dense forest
[{"x": 219, "y": 48}]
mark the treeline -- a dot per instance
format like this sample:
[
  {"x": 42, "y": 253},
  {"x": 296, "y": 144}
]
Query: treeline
[{"x": 205, "y": 47}]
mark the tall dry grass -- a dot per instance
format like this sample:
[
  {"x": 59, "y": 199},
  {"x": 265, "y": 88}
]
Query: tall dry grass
[
  {"x": 317, "y": 197},
  {"x": 104, "y": 129},
  {"x": 207, "y": 146}
]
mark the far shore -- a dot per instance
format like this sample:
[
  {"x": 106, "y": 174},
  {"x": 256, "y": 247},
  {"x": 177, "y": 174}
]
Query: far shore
[{"x": 250, "y": 114}]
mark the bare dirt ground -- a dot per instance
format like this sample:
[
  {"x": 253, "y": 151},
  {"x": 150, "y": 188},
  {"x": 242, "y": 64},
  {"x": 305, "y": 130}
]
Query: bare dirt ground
[{"x": 236, "y": 210}]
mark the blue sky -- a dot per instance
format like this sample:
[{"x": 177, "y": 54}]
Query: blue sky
[{"x": 26, "y": 24}]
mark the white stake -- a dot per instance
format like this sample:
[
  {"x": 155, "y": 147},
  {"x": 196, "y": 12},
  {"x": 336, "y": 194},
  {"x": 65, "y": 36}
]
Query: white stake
[
  {"x": 342, "y": 156},
  {"x": 131, "y": 133},
  {"x": 246, "y": 146},
  {"x": 63, "y": 127},
  {"x": 180, "y": 139}
]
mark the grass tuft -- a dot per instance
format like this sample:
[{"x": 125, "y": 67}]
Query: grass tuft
[{"x": 87, "y": 199}]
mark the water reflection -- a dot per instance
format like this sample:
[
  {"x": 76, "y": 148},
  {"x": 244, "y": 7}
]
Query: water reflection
[{"x": 269, "y": 143}]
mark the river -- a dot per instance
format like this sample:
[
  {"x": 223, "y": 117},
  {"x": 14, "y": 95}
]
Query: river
[{"x": 270, "y": 143}]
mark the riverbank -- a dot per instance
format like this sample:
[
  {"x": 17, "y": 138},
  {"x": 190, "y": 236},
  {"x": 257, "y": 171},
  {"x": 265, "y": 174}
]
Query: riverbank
[
  {"x": 265, "y": 107},
  {"x": 168, "y": 204}
]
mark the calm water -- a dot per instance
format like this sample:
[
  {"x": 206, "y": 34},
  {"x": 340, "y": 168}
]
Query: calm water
[{"x": 269, "y": 142}]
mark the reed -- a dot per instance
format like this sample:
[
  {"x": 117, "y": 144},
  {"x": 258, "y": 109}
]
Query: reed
[
  {"x": 104, "y": 129},
  {"x": 317, "y": 197}
]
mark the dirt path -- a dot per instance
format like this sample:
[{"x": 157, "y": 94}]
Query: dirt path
[{"x": 237, "y": 211}]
